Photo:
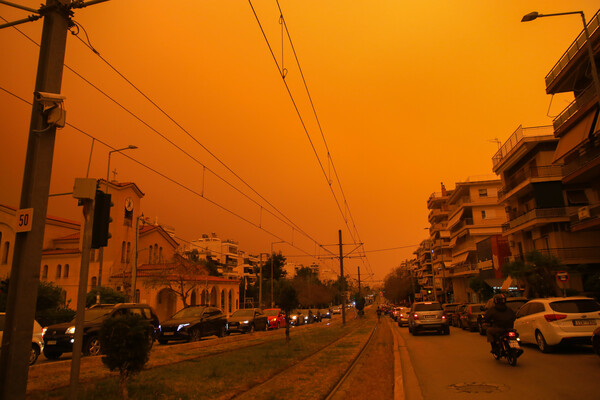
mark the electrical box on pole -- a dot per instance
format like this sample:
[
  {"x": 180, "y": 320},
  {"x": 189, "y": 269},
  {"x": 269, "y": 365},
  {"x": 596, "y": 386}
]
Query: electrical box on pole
[{"x": 102, "y": 220}]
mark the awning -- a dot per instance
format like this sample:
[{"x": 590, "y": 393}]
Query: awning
[
  {"x": 574, "y": 136},
  {"x": 460, "y": 258},
  {"x": 453, "y": 241},
  {"x": 508, "y": 282},
  {"x": 495, "y": 282},
  {"x": 454, "y": 220}
]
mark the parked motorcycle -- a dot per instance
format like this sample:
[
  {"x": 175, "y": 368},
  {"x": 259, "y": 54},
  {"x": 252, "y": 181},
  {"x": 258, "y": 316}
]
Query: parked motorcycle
[{"x": 509, "y": 347}]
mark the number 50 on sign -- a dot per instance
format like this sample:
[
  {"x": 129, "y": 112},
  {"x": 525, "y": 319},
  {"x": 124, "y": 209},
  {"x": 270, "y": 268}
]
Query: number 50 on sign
[{"x": 24, "y": 220}]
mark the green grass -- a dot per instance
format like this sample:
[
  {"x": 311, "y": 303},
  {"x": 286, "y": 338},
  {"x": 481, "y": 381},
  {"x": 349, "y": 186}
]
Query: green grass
[{"x": 224, "y": 375}]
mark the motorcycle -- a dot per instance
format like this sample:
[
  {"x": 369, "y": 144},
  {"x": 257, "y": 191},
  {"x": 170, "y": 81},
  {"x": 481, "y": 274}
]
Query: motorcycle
[{"x": 509, "y": 347}]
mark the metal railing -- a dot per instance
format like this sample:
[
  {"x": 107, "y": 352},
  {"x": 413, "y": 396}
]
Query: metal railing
[
  {"x": 543, "y": 171},
  {"x": 580, "y": 101},
  {"x": 570, "y": 254},
  {"x": 517, "y": 136},
  {"x": 461, "y": 224},
  {"x": 535, "y": 214},
  {"x": 575, "y": 47},
  {"x": 590, "y": 155}
]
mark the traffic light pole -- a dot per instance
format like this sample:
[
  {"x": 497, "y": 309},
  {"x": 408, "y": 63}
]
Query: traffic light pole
[{"x": 27, "y": 256}]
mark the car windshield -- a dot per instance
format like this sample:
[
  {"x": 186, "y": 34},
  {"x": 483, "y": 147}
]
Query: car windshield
[
  {"x": 189, "y": 312},
  {"x": 272, "y": 313},
  {"x": 428, "y": 307},
  {"x": 93, "y": 314},
  {"x": 575, "y": 306},
  {"x": 243, "y": 313}
]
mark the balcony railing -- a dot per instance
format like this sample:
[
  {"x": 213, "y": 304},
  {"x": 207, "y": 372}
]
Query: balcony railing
[
  {"x": 464, "y": 268},
  {"x": 594, "y": 213},
  {"x": 571, "y": 254},
  {"x": 575, "y": 47},
  {"x": 464, "y": 222},
  {"x": 535, "y": 214},
  {"x": 590, "y": 155},
  {"x": 516, "y": 137},
  {"x": 543, "y": 171},
  {"x": 580, "y": 101}
]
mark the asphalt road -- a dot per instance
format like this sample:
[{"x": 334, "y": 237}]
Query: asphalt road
[{"x": 460, "y": 366}]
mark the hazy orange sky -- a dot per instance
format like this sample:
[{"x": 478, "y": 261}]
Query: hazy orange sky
[{"x": 408, "y": 94}]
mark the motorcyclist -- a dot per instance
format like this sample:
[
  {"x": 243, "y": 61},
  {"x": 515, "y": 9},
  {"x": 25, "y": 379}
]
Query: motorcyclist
[{"x": 501, "y": 318}]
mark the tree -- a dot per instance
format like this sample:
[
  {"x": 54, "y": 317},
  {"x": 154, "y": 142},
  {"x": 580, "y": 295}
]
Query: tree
[
  {"x": 483, "y": 290},
  {"x": 278, "y": 261},
  {"x": 181, "y": 276},
  {"x": 397, "y": 286},
  {"x": 126, "y": 343},
  {"x": 288, "y": 300},
  {"x": 536, "y": 273},
  {"x": 107, "y": 296}
]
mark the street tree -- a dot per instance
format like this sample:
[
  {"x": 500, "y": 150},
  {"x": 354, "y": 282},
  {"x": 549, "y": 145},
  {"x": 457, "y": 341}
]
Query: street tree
[
  {"x": 287, "y": 300},
  {"x": 397, "y": 286},
  {"x": 107, "y": 296},
  {"x": 536, "y": 273}
]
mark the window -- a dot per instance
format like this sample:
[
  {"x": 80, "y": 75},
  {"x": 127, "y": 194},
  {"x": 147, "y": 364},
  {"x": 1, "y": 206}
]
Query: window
[
  {"x": 128, "y": 252},
  {"x": 577, "y": 198},
  {"x": 58, "y": 271},
  {"x": 150, "y": 255},
  {"x": 483, "y": 193},
  {"x": 155, "y": 255},
  {"x": 482, "y": 214},
  {"x": 160, "y": 254},
  {"x": 5, "y": 253},
  {"x": 45, "y": 272},
  {"x": 66, "y": 271},
  {"x": 123, "y": 250},
  {"x": 128, "y": 218},
  {"x": 94, "y": 281}
]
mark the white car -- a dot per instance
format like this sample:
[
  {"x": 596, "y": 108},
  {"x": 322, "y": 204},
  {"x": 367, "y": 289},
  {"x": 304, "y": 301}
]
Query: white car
[
  {"x": 37, "y": 343},
  {"x": 557, "y": 320}
]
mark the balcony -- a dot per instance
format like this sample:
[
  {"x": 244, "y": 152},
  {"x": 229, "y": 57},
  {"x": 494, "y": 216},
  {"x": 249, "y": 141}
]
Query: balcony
[
  {"x": 464, "y": 270},
  {"x": 437, "y": 214},
  {"x": 516, "y": 138},
  {"x": 577, "y": 47},
  {"x": 548, "y": 215},
  {"x": 464, "y": 222},
  {"x": 542, "y": 172},
  {"x": 587, "y": 217},
  {"x": 575, "y": 255},
  {"x": 584, "y": 168},
  {"x": 583, "y": 102}
]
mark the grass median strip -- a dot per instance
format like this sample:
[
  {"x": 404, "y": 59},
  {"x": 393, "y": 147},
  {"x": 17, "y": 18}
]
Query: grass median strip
[{"x": 226, "y": 374}]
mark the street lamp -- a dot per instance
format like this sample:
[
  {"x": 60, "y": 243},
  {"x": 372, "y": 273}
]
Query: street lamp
[
  {"x": 534, "y": 15},
  {"x": 272, "y": 262},
  {"x": 130, "y": 147}
]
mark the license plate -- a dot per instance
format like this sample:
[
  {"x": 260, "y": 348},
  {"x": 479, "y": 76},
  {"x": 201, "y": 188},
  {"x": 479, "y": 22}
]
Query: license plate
[
  {"x": 583, "y": 322},
  {"x": 168, "y": 333},
  {"x": 514, "y": 344},
  {"x": 51, "y": 342},
  {"x": 430, "y": 316}
]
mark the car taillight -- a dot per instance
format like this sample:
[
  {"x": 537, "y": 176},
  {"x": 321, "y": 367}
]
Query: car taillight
[
  {"x": 554, "y": 317},
  {"x": 416, "y": 316},
  {"x": 443, "y": 316},
  {"x": 511, "y": 334}
]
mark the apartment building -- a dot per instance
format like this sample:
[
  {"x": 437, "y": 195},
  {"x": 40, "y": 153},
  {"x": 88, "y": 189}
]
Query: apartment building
[
  {"x": 439, "y": 238},
  {"x": 474, "y": 217}
]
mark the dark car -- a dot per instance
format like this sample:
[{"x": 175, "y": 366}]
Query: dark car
[
  {"x": 427, "y": 316},
  {"x": 468, "y": 316},
  {"x": 193, "y": 323},
  {"x": 247, "y": 320},
  {"x": 325, "y": 313},
  {"x": 449, "y": 310},
  {"x": 514, "y": 303},
  {"x": 456, "y": 315},
  {"x": 297, "y": 318},
  {"x": 58, "y": 339}
]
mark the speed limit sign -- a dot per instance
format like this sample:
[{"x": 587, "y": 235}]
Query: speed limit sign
[{"x": 24, "y": 220}]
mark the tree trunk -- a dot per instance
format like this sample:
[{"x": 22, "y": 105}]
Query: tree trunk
[
  {"x": 123, "y": 385},
  {"x": 287, "y": 327}
]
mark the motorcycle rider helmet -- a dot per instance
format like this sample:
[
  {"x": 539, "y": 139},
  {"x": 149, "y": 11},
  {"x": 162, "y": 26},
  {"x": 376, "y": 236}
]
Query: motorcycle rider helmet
[{"x": 499, "y": 299}]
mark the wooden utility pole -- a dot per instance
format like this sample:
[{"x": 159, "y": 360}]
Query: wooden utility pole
[
  {"x": 27, "y": 255},
  {"x": 343, "y": 280}
]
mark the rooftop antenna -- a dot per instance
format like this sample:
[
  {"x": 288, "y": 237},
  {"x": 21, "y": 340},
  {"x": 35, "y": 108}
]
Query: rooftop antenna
[{"x": 495, "y": 140}]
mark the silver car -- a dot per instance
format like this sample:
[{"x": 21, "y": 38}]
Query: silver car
[
  {"x": 428, "y": 316},
  {"x": 37, "y": 343}
]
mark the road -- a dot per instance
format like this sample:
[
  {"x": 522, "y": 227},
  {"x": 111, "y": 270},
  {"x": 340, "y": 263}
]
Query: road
[{"x": 460, "y": 366}]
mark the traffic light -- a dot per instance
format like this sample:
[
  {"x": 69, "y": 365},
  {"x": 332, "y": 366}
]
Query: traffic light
[{"x": 102, "y": 219}]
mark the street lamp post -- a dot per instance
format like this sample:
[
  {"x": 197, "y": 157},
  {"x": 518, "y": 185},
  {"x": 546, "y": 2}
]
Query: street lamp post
[
  {"x": 101, "y": 250},
  {"x": 534, "y": 15},
  {"x": 272, "y": 262}
]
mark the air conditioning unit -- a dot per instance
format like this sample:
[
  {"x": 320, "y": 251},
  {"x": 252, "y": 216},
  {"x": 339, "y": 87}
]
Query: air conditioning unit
[{"x": 583, "y": 212}]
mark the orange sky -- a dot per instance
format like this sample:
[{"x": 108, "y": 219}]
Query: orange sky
[{"x": 408, "y": 94}]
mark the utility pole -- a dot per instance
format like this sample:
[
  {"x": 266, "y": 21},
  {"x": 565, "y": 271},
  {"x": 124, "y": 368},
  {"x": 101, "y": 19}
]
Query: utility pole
[
  {"x": 358, "y": 280},
  {"x": 27, "y": 255},
  {"x": 260, "y": 281},
  {"x": 343, "y": 280}
]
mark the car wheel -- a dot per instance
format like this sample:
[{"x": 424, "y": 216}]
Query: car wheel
[
  {"x": 266, "y": 326},
  {"x": 447, "y": 330},
  {"x": 52, "y": 355},
  {"x": 161, "y": 341},
  {"x": 35, "y": 352},
  {"x": 222, "y": 332},
  {"x": 150, "y": 341},
  {"x": 92, "y": 346},
  {"x": 414, "y": 332},
  {"x": 251, "y": 328},
  {"x": 278, "y": 324},
  {"x": 409, "y": 329},
  {"x": 541, "y": 342},
  {"x": 195, "y": 335}
]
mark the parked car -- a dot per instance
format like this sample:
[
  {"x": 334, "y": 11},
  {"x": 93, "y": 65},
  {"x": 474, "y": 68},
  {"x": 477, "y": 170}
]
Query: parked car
[
  {"x": 193, "y": 323},
  {"x": 596, "y": 340},
  {"x": 275, "y": 318},
  {"x": 468, "y": 316},
  {"x": 456, "y": 315},
  {"x": 336, "y": 309},
  {"x": 427, "y": 316},
  {"x": 558, "y": 320},
  {"x": 58, "y": 339},
  {"x": 403, "y": 316},
  {"x": 449, "y": 310},
  {"x": 37, "y": 343},
  {"x": 396, "y": 313},
  {"x": 325, "y": 313},
  {"x": 247, "y": 320},
  {"x": 297, "y": 318},
  {"x": 514, "y": 303}
]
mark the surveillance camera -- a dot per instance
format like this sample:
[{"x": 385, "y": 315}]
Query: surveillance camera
[{"x": 49, "y": 97}]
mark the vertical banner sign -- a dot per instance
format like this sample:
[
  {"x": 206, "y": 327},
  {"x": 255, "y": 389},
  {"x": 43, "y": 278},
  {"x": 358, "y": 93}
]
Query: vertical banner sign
[{"x": 24, "y": 220}]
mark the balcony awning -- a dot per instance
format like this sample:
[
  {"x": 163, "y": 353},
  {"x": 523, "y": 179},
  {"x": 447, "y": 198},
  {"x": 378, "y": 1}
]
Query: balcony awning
[
  {"x": 574, "y": 136},
  {"x": 454, "y": 220},
  {"x": 453, "y": 241},
  {"x": 460, "y": 258},
  {"x": 508, "y": 283}
]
